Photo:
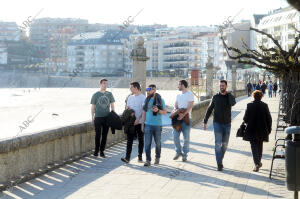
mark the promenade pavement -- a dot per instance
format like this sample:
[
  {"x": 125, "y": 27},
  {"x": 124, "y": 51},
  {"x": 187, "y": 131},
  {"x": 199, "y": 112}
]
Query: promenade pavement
[{"x": 198, "y": 178}]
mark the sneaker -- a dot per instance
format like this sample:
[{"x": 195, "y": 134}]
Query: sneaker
[
  {"x": 140, "y": 160},
  {"x": 184, "y": 158},
  {"x": 102, "y": 155},
  {"x": 177, "y": 156},
  {"x": 156, "y": 161},
  {"x": 125, "y": 160},
  {"x": 95, "y": 154},
  {"x": 220, "y": 167},
  {"x": 147, "y": 164}
]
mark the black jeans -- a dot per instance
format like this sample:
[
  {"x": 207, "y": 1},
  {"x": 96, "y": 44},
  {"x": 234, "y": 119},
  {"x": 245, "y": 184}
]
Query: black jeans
[
  {"x": 249, "y": 92},
  {"x": 257, "y": 148},
  {"x": 101, "y": 131},
  {"x": 130, "y": 136}
]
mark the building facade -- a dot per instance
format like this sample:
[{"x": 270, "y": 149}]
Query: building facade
[
  {"x": 44, "y": 29},
  {"x": 98, "y": 53},
  {"x": 282, "y": 24}
]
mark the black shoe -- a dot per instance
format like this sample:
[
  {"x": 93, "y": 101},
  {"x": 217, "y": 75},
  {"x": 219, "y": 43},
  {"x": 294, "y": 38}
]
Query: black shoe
[
  {"x": 177, "y": 156},
  {"x": 125, "y": 160},
  {"x": 147, "y": 164},
  {"x": 184, "y": 158},
  {"x": 95, "y": 154},
  {"x": 140, "y": 160},
  {"x": 102, "y": 155},
  {"x": 220, "y": 167}
]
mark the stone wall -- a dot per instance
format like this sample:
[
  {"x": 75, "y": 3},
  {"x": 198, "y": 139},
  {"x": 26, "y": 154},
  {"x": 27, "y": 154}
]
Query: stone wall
[
  {"x": 32, "y": 80},
  {"x": 30, "y": 155}
]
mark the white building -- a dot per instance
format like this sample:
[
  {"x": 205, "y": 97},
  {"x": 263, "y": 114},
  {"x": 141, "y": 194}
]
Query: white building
[
  {"x": 3, "y": 54},
  {"x": 281, "y": 24},
  {"x": 97, "y": 52},
  {"x": 235, "y": 36},
  {"x": 9, "y": 31}
]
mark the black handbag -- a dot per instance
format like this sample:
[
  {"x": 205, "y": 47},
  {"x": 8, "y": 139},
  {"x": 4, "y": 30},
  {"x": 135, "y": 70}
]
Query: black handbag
[{"x": 241, "y": 131}]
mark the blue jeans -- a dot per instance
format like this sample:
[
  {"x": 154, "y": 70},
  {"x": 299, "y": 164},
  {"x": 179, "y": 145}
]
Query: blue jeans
[
  {"x": 185, "y": 129},
  {"x": 154, "y": 131},
  {"x": 270, "y": 93},
  {"x": 222, "y": 133}
]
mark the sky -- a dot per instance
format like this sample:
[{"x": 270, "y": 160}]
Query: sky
[{"x": 171, "y": 12}]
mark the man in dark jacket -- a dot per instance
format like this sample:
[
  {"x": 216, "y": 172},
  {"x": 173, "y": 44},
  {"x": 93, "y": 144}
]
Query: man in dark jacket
[
  {"x": 263, "y": 87},
  {"x": 275, "y": 87},
  {"x": 221, "y": 103},
  {"x": 259, "y": 123},
  {"x": 249, "y": 88}
]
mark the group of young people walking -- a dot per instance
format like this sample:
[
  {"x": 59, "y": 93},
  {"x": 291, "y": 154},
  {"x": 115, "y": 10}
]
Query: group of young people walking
[{"x": 142, "y": 118}]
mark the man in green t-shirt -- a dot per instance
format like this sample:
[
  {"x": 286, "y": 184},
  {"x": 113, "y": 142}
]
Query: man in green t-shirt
[{"x": 101, "y": 102}]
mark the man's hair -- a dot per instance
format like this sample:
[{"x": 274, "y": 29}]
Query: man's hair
[
  {"x": 184, "y": 82},
  {"x": 136, "y": 85},
  {"x": 257, "y": 95},
  {"x": 152, "y": 86},
  {"x": 223, "y": 81},
  {"x": 103, "y": 80}
]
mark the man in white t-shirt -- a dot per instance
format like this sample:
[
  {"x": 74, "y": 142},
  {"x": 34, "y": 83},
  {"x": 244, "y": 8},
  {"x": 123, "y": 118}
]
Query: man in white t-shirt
[
  {"x": 135, "y": 102},
  {"x": 185, "y": 100}
]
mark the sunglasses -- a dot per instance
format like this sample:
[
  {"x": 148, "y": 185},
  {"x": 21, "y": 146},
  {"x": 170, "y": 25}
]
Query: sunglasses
[{"x": 148, "y": 89}]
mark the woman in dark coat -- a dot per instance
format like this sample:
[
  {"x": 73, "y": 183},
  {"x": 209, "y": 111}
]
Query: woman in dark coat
[{"x": 259, "y": 124}]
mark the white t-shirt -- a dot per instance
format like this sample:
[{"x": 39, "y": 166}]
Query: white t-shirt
[
  {"x": 183, "y": 99},
  {"x": 136, "y": 103}
]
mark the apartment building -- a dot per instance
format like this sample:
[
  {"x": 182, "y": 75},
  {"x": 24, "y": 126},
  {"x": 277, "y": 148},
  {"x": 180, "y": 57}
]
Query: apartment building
[
  {"x": 281, "y": 24},
  {"x": 103, "y": 53},
  {"x": 42, "y": 30}
]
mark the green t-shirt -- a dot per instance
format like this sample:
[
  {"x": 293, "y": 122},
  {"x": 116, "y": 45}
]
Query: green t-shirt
[{"x": 102, "y": 102}]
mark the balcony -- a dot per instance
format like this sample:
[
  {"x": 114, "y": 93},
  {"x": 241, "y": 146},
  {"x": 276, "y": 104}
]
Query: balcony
[
  {"x": 80, "y": 54},
  {"x": 176, "y": 53},
  {"x": 176, "y": 66},
  {"x": 183, "y": 44},
  {"x": 176, "y": 60}
]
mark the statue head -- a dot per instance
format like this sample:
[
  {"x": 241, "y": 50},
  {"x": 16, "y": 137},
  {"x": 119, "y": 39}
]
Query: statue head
[{"x": 140, "y": 42}]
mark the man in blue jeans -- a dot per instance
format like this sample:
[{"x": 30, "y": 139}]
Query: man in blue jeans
[
  {"x": 154, "y": 107},
  {"x": 184, "y": 101},
  {"x": 221, "y": 103}
]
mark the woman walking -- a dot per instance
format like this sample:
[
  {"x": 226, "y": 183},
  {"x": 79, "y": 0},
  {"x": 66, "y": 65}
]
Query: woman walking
[{"x": 259, "y": 125}]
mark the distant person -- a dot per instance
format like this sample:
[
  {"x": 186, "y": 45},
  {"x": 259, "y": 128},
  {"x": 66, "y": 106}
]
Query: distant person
[
  {"x": 258, "y": 87},
  {"x": 275, "y": 87},
  {"x": 270, "y": 89},
  {"x": 264, "y": 87},
  {"x": 259, "y": 124},
  {"x": 101, "y": 102},
  {"x": 135, "y": 102},
  {"x": 153, "y": 109},
  {"x": 254, "y": 86},
  {"x": 221, "y": 103},
  {"x": 183, "y": 107},
  {"x": 249, "y": 89}
]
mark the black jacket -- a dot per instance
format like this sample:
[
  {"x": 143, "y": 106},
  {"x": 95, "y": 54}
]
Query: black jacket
[
  {"x": 258, "y": 120},
  {"x": 157, "y": 102},
  {"x": 128, "y": 119},
  {"x": 263, "y": 87},
  {"x": 114, "y": 121},
  {"x": 221, "y": 104}
]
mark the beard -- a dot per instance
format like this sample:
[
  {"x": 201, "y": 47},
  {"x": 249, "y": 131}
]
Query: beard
[
  {"x": 151, "y": 95},
  {"x": 222, "y": 90}
]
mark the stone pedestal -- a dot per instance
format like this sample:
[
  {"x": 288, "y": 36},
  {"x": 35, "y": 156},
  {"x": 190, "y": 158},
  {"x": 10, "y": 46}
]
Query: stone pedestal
[
  {"x": 209, "y": 79},
  {"x": 139, "y": 58},
  {"x": 233, "y": 82}
]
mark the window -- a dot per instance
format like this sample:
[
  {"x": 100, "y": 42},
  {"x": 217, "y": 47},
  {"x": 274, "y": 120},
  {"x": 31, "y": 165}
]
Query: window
[
  {"x": 277, "y": 28},
  {"x": 291, "y": 36}
]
